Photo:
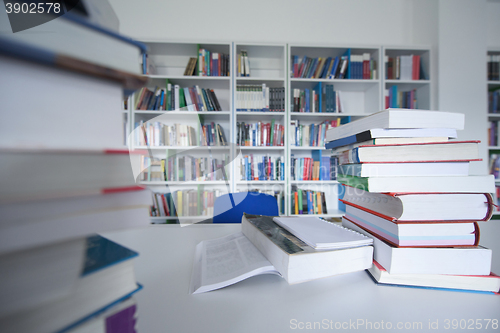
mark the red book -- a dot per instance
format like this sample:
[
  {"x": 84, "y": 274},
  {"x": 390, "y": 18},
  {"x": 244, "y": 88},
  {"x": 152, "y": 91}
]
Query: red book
[
  {"x": 416, "y": 67},
  {"x": 366, "y": 68}
]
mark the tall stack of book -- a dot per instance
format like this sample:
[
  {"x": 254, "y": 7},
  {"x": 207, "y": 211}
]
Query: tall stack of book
[
  {"x": 408, "y": 187},
  {"x": 65, "y": 176}
]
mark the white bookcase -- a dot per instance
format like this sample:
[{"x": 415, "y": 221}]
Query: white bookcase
[
  {"x": 170, "y": 61},
  {"x": 270, "y": 66}
]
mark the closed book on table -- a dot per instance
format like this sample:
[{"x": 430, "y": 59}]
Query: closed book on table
[
  {"x": 467, "y": 283},
  {"x": 422, "y": 206},
  {"x": 422, "y": 184},
  {"x": 405, "y": 169},
  {"x": 418, "y": 233},
  {"x": 398, "y": 118},
  {"x": 426, "y": 152},
  {"x": 443, "y": 260},
  {"x": 392, "y": 135}
]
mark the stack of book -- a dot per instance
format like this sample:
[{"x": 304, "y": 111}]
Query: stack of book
[
  {"x": 408, "y": 186},
  {"x": 64, "y": 176}
]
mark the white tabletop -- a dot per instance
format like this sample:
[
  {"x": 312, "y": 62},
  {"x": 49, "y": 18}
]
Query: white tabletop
[{"x": 268, "y": 304}]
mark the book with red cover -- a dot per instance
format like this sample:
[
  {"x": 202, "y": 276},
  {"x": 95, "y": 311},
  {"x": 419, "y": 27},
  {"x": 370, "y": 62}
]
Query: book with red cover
[
  {"x": 416, "y": 234},
  {"x": 409, "y": 207}
]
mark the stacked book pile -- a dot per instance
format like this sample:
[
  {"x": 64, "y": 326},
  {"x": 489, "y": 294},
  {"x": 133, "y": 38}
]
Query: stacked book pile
[
  {"x": 407, "y": 185},
  {"x": 65, "y": 176}
]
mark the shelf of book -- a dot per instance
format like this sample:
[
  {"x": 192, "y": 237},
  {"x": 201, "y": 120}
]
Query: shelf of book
[
  {"x": 188, "y": 128},
  {"x": 406, "y": 82},
  {"x": 260, "y": 92},
  {"x": 184, "y": 183},
  {"x": 259, "y": 128}
]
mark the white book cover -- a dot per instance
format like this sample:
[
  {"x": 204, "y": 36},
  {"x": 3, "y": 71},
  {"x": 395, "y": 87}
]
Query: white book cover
[{"x": 321, "y": 234}]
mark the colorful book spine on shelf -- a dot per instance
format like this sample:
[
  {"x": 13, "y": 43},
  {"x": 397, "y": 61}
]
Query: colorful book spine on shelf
[
  {"x": 404, "y": 67},
  {"x": 260, "y": 134},
  {"x": 210, "y": 64},
  {"x": 316, "y": 167},
  {"x": 347, "y": 66},
  {"x": 173, "y": 97},
  {"x": 400, "y": 99},
  {"x": 158, "y": 134},
  {"x": 493, "y": 101},
  {"x": 261, "y": 167},
  {"x": 195, "y": 202},
  {"x": 243, "y": 64},
  {"x": 184, "y": 168},
  {"x": 307, "y": 202},
  {"x": 323, "y": 98},
  {"x": 493, "y": 133},
  {"x": 310, "y": 135},
  {"x": 259, "y": 98}
]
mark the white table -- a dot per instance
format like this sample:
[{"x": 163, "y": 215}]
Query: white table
[{"x": 268, "y": 304}]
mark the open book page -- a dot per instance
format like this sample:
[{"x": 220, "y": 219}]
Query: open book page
[{"x": 224, "y": 261}]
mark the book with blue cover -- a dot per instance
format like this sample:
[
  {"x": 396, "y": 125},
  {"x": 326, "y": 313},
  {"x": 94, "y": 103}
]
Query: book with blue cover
[{"x": 107, "y": 279}]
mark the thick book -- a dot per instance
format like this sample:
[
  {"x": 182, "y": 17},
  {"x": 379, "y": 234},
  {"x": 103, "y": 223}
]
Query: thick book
[
  {"x": 96, "y": 123},
  {"x": 422, "y": 206},
  {"x": 442, "y": 260},
  {"x": 107, "y": 279},
  {"x": 489, "y": 283},
  {"x": 418, "y": 233},
  {"x": 451, "y": 151},
  {"x": 29, "y": 224},
  {"x": 386, "y": 135},
  {"x": 55, "y": 267},
  {"x": 295, "y": 260},
  {"x": 405, "y": 169},
  {"x": 398, "y": 118},
  {"x": 422, "y": 184},
  {"x": 28, "y": 174},
  {"x": 224, "y": 261},
  {"x": 320, "y": 234},
  {"x": 76, "y": 36}
]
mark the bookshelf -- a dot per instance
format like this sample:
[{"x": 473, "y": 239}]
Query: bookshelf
[
  {"x": 195, "y": 169},
  {"x": 407, "y": 77},
  {"x": 259, "y": 87},
  {"x": 264, "y": 89},
  {"x": 493, "y": 115},
  {"x": 355, "y": 96}
]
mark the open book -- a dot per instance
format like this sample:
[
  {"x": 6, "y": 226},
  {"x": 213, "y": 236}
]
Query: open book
[{"x": 225, "y": 261}]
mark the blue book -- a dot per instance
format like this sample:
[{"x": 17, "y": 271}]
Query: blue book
[
  {"x": 102, "y": 253},
  {"x": 308, "y": 101},
  {"x": 325, "y": 168},
  {"x": 319, "y": 91}
]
